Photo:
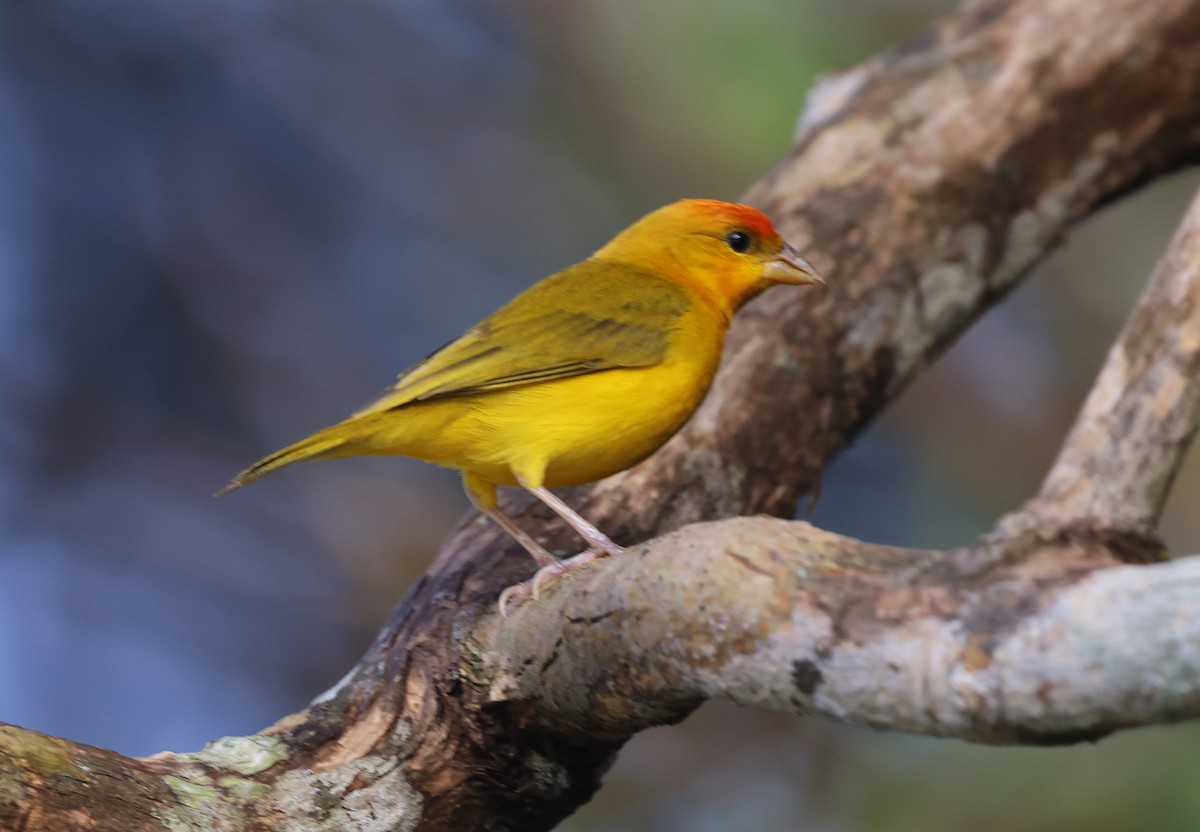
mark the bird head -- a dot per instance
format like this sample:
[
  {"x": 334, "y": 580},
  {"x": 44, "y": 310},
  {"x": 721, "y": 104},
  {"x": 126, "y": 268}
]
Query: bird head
[{"x": 726, "y": 252}]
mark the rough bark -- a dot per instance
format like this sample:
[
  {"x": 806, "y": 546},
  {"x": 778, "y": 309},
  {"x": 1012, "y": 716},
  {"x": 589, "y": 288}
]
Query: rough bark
[{"x": 925, "y": 184}]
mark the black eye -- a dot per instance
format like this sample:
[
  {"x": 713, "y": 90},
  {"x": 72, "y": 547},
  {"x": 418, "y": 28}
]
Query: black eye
[{"x": 739, "y": 241}]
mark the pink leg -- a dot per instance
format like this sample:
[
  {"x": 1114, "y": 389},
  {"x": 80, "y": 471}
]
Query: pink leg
[
  {"x": 597, "y": 540},
  {"x": 482, "y": 495},
  {"x": 599, "y": 546}
]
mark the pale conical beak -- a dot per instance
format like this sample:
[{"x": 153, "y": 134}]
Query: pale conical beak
[{"x": 789, "y": 266}]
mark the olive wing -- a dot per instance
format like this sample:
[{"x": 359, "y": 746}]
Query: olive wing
[{"x": 589, "y": 318}]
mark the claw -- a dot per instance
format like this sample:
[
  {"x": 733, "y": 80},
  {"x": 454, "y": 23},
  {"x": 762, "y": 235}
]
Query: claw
[
  {"x": 517, "y": 594},
  {"x": 507, "y": 597},
  {"x": 544, "y": 574}
]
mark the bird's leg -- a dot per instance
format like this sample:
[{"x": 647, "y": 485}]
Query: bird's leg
[
  {"x": 599, "y": 546},
  {"x": 543, "y": 558},
  {"x": 480, "y": 501},
  {"x": 483, "y": 496},
  {"x": 598, "y": 542}
]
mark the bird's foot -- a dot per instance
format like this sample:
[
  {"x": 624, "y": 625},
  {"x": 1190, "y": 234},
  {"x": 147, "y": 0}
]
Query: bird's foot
[{"x": 518, "y": 594}]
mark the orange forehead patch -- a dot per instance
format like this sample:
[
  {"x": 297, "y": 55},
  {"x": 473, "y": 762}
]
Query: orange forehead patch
[{"x": 746, "y": 216}]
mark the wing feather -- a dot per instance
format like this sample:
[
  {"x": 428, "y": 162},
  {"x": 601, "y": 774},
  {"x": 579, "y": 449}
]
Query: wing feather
[{"x": 589, "y": 318}]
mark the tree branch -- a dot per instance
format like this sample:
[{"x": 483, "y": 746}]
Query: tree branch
[
  {"x": 1121, "y": 457},
  {"x": 1039, "y": 641},
  {"x": 925, "y": 183}
]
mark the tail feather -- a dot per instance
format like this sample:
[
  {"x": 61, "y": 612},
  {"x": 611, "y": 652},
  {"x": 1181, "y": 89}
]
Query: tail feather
[{"x": 321, "y": 444}]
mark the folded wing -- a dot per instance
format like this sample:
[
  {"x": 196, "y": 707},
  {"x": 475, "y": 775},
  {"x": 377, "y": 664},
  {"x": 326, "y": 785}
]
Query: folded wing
[{"x": 592, "y": 317}]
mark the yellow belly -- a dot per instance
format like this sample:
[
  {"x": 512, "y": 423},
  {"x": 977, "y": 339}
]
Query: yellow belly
[{"x": 584, "y": 429}]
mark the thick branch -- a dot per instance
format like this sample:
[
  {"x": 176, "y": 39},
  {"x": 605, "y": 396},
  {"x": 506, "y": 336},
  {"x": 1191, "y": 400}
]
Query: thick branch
[{"x": 1036, "y": 642}]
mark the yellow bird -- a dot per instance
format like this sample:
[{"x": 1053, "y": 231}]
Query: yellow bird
[{"x": 578, "y": 377}]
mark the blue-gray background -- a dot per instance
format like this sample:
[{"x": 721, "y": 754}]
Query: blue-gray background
[{"x": 224, "y": 225}]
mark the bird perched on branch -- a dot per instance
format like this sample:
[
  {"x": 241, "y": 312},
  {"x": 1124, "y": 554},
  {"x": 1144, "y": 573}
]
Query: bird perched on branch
[{"x": 578, "y": 377}]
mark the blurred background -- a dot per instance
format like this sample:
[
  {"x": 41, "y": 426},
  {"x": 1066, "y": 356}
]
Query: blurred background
[{"x": 224, "y": 225}]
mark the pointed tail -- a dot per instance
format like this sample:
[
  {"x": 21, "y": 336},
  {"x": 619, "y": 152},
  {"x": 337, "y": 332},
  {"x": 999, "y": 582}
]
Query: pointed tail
[{"x": 321, "y": 444}]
